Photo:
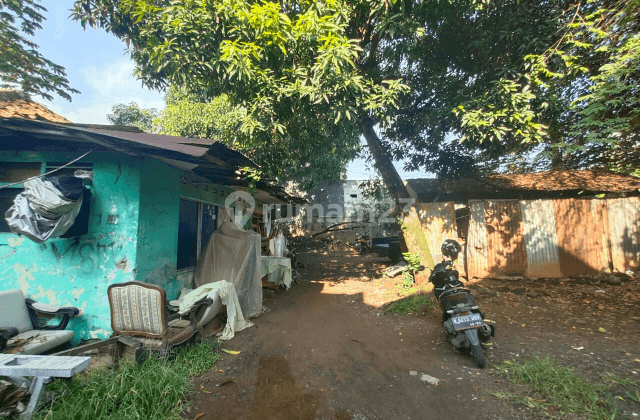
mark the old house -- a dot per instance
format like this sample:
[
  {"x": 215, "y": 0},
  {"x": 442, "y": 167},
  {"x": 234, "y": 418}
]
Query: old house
[
  {"x": 151, "y": 202},
  {"x": 547, "y": 224}
]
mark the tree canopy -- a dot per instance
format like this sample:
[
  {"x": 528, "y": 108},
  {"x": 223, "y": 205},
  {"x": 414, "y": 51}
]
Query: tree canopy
[
  {"x": 293, "y": 156},
  {"x": 414, "y": 77},
  {"x": 21, "y": 65},
  {"x": 132, "y": 115}
]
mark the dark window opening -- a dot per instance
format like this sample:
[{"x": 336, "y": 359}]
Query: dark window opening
[
  {"x": 81, "y": 223},
  {"x": 7, "y": 196},
  {"x": 197, "y": 222},
  {"x": 187, "y": 234}
]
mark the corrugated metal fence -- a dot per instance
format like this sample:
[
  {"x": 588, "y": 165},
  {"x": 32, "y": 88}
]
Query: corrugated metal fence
[
  {"x": 542, "y": 238},
  {"x": 554, "y": 238}
]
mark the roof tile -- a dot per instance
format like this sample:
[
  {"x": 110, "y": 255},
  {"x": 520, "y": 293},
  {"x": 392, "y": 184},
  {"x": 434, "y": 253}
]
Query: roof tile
[{"x": 15, "y": 104}]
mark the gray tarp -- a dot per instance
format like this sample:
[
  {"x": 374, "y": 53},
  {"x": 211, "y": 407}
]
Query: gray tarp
[
  {"x": 233, "y": 254},
  {"x": 41, "y": 211}
]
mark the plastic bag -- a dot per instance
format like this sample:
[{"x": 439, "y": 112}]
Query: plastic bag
[{"x": 42, "y": 211}]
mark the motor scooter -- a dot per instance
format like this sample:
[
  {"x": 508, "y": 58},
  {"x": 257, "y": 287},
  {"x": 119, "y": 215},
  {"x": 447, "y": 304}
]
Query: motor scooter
[
  {"x": 362, "y": 244},
  {"x": 461, "y": 317}
]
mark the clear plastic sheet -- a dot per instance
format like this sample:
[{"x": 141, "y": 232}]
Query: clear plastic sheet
[
  {"x": 41, "y": 211},
  {"x": 233, "y": 254}
]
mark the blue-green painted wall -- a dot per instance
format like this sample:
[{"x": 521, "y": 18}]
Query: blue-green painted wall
[
  {"x": 133, "y": 234},
  {"x": 158, "y": 225},
  {"x": 77, "y": 271}
]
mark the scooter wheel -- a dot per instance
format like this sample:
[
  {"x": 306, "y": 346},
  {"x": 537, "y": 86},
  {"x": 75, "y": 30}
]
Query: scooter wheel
[{"x": 478, "y": 356}]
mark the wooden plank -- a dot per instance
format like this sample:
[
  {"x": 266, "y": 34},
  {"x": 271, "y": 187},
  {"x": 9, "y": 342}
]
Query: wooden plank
[{"x": 81, "y": 349}]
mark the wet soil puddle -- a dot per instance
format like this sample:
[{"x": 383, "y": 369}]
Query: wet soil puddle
[{"x": 277, "y": 394}]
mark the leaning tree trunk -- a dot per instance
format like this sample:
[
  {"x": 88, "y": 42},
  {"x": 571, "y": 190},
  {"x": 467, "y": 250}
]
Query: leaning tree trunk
[
  {"x": 412, "y": 236},
  {"x": 383, "y": 162}
]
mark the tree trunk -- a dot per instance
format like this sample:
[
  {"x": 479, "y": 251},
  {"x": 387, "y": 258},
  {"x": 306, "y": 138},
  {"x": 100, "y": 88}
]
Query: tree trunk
[
  {"x": 383, "y": 162},
  {"x": 412, "y": 237}
]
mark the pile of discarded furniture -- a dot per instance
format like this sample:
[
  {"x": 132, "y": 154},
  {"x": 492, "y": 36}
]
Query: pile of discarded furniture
[
  {"x": 142, "y": 319},
  {"x": 22, "y": 337}
]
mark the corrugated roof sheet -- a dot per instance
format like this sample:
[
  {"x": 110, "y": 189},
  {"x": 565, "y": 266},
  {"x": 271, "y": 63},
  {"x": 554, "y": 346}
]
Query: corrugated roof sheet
[
  {"x": 508, "y": 186},
  {"x": 212, "y": 160},
  {"x": 15, "y": 104}
]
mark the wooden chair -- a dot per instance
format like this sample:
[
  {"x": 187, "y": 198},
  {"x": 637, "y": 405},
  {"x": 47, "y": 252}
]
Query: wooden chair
[{"x": 141, "y": 320}]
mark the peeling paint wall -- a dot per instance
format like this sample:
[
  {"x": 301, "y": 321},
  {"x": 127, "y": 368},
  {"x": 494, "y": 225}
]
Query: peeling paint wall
[
  {"x": 77, "y": 271},
  {"x": 133, "y": 235}
]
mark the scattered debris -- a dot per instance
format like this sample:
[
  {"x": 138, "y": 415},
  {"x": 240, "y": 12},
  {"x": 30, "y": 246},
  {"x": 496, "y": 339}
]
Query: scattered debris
[
  {"x": 230, "y": 351},
  {"x": 13, "y": 399},
  {"x": 413, "y": 373},
  {"x": 395, "y": 270},
  {"x": 613, "y": 280},
  {"x": 227, "y": 382},
  {"x": 430, "y": 379}
]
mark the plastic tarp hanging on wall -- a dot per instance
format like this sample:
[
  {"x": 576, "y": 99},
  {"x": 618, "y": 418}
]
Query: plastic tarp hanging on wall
[
  {"x": 233, "y": 254},
  {"x": 46, "y": 208}
]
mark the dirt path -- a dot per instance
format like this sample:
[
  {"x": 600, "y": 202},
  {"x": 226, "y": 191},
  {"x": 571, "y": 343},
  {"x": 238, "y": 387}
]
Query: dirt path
[{"x": 327, "y": 351}]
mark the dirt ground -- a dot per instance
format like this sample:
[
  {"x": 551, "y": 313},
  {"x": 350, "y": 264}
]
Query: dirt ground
[{"x": 327, "y": 350}]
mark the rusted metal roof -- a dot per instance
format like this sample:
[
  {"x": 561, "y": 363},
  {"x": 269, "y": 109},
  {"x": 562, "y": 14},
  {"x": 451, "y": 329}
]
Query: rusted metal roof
[
  {"x": 15, "y": 104},
  {"x": 553, "y": 184},
  {"x": 215, "y": 152},
  {"x": 212, "y": 160}
]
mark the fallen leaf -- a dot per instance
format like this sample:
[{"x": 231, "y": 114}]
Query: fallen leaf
[
  {"x": 198, "y": 416},
  {"x": 220, "y": 370},
  {"x": 227, "y": 382},
  {"x": 602, "y": 330},
  {"x": 206, "y": 392},
  {"x": 230, "y": 351}
]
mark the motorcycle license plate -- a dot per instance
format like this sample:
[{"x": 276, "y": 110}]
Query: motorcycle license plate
[{"x": 467, "y": 321}]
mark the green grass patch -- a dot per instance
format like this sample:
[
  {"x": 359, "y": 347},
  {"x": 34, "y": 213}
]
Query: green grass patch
[
  {"x": 155, "y": 390},
  {"x": 411, "y": 304},
  {"x": 558, "y": 391}
]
